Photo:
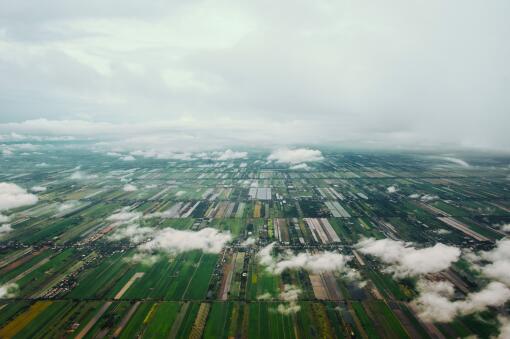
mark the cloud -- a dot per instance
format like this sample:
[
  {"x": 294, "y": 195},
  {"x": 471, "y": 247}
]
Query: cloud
[
  {"x": 429, "y": 198},
  {"x": 180, "y": 193},
  {"x": 8, "y": 291},
  {"x": 13, "y": 196},
  {"x": 230, "y": 155},
  {"x": 301, "y": 166},
  {"x": 4, "y": 218},
  {"x": 128, "y": 158},
  {"x": 250, "y": 241},
  {"x": 290, "y": 294},
  {"x": 160, "y": 149},
  {"x": 68, "y": 205},
  {"x": 405, "y": 260},
  {"x": 4, "y": 229},
  {"x": 170, "y": 240},
  {"x": 499, "y": 262},
  {"x": 456, "y": 161},
  {"x": 391, "y": 189},
  {"x": 124, "y": 216},
  {"x": 134, "y": 232},
  {"x": 264, "y": 296},
  {"x": 316, "y": 262},
  {"x": 145, "y": 259},
  {"x": 505, "y": 227},
  {"x": 129, "y": 188},
  {"x": 38, "y": 189},
  {"x": 435, "y": 304},
  {"x": 78, "y": 175},
  {"x": 295, "y": 156},
  {"x": 504, "y": 330}
]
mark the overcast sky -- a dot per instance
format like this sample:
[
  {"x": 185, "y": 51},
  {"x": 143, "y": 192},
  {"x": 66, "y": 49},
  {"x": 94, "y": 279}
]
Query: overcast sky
[{"x": 353, "y": 72}]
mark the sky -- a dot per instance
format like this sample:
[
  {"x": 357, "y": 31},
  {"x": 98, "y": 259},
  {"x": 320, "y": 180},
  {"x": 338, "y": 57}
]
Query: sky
[{"x": 207, "y": 74}]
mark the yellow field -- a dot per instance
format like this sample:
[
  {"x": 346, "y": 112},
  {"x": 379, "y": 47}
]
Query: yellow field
[
  {"x": 12, "y": 328},
  {"x": 256, "y": 210},
  {"x": 149, "y": 315}
]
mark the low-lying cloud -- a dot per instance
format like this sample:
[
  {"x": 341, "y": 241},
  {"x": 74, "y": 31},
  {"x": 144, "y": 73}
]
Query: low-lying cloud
[
  {"x": 38, "y": 189},
  {"x": 79, "y": 175},
  {"x": 14, "y": 196},
  {"x": 295, "y": 156},
  {"x": 435, "y": 304},
  {"x": 5, "y": 229},
  {"x": 229, "y": 155},
  {"x": 405, "y": 260},
  {"x": 125, "y": 216},
  {"x": 129, "y": 188},
  {"x": 208, "y": 240},
  {"x": 316, "y": 262},
  {"x": 391, "y": 189},
  {"x": 498, "y": 266},
  {"x": 290, "y": 294},
  {"x": 133, "y": 232},
  {"x": 8, "y": 291}
]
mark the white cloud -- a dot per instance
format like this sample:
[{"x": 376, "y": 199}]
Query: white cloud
[
  {"x": 230, "y": 155},
  {"x": 316, "y": 262},
  {"x": 301, "y": 166},
  {"x": 391, "y": 189},
  {"x": 130, "y": 188},
  {"x": 68, "y": 205},
  {"x": 8, "y": 291},
  {"x": 124, "y": 216},
  {"x": 180, "y": 193},
  {"x": 133, "y": 232},
  {"x": 405, "y": 260},
  {"x": 78, "y": 175},
  {"x": 295, "y": 156},
  {"x": 504, "y": 330},
  {"x": 128, "y": 158},
  {"x": 4, "y": 229},
  {"x": 290, "y": 294},
  {"x": 13, "y": 196},
  {"x": 38, "y": 189},
  {"x": 264, "y": 296},
  {"x": 435, "y": 304},
  {"x": 499, "y": 262},
  {"x": 250, "y": 241},
  {"x": 429, "y": 198},
  {"x": 505, "y": 228},
  {"x": 4, "y": 218},
  {"x": 145, "y": 259},
  {"x": 456, "y": 161},
  {"x": 171, "y": 240},
  {"x": 160, "y": 149}
]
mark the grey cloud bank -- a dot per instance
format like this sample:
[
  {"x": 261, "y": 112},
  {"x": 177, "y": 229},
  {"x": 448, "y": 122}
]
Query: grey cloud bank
[{"x": 399, "y": 73}]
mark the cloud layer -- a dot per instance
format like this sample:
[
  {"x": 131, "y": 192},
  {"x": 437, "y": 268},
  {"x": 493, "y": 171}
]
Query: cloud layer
[{"x": 399, "y": 73}]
